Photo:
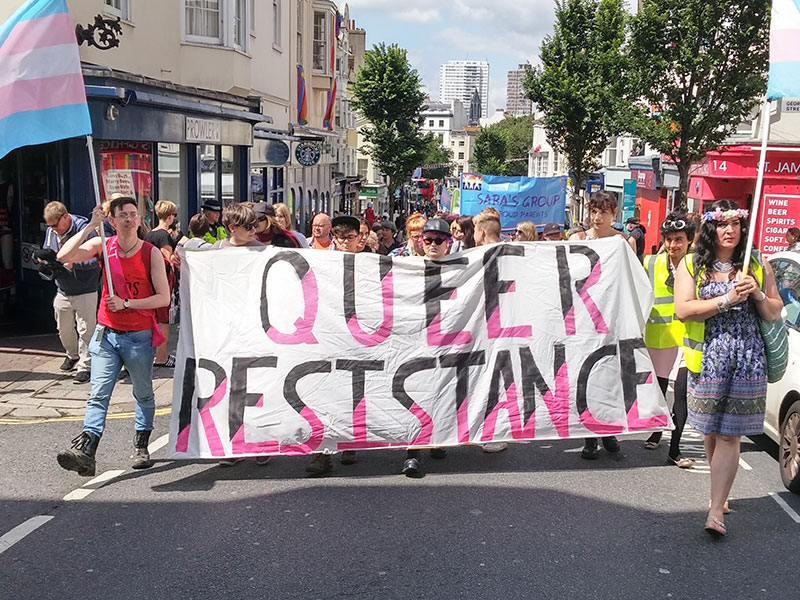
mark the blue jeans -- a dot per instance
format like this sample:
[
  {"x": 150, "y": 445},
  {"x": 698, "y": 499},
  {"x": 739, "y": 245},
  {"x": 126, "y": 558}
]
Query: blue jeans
[{"x": 110, "y": 350}]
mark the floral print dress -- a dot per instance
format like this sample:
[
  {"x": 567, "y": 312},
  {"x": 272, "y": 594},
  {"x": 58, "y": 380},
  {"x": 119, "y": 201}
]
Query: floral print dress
[{"x": 728, "y": 396}]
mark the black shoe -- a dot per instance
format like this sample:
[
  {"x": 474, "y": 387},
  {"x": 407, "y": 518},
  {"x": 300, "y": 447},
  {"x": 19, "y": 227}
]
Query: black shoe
[
  {"x": 412, "y": 468},
  {"x": 319, "y": 465},
  {"x": 80, "y": 457},
  {"x": 68, "y": 364},
  {"x": 438, "y": 453},
  {"x": 123, "y": 374},
  {"x": 141, "y": 455},
  {"x": 82, "y": 377},
  {"x": 349, "y": 457},
  {"x": 589, "y": 451},
  {"x": 610, "y": 444}
]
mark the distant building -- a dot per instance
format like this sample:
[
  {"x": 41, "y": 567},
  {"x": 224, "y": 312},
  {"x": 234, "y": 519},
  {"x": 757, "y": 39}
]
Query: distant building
[
  {"x": 442, "y": 118},
  {"x": 498, "y": 116},
  {"x": 517, "y": 104},
  {"x": 458, "y": 79},
  {"x": 475, "y": 108}
]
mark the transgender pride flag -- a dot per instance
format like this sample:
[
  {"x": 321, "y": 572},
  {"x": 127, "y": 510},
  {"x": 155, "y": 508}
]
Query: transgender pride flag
[
  {"x": 784, "y": 50},
  {"x": 42, "y": 98}
]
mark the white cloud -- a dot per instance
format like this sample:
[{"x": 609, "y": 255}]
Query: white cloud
[{"x": 418, "y": 15}]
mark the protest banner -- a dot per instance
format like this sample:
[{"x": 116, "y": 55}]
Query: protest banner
[
  {"x": 537, "y": 199},
  {"x": 293, "y": 351}
]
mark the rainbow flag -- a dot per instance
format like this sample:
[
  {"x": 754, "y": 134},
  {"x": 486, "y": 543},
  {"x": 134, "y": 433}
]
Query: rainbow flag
[
  {"x": 42, "y": 98},
  {"x": 784, "y": 50},
  {"x": 328, "y": 122},
  {"x": 339, "y": 18},
  {"x": 333, "y": 44},
  {"x": 302, "y": 100}
]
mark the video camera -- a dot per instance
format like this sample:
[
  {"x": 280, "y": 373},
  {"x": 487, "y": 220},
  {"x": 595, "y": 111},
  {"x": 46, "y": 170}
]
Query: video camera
[{"x": 49, "y": 267}]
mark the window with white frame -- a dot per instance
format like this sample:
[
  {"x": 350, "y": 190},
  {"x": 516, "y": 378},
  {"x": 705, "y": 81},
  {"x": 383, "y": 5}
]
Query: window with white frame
[
  {"x": 555, "y": 163},
  {"x": 610, "y": 155},
  {"x": 118, "y": 8},
  {"x": 252, "y": 17},
  {"x": 320, "y": 51},
  {"x": 218, "y": 22},
  {"x": 276, "y": 22}
]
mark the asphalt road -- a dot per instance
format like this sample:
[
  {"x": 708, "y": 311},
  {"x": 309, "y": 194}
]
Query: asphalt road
[{"x": 535, "y": 521}]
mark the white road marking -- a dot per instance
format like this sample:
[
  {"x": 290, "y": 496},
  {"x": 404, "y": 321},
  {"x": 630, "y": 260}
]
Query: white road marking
[
  {"x": 787, "y": 509},
  {"x": 158, "y": 444},
  {"x": 92, "y": 485},
  {"x": 744, "y": 465},
  {"x": 20, "y": 531}
]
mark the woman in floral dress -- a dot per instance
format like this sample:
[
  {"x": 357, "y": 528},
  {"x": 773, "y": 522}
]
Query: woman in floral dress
[{"x": 723, "y": 349}]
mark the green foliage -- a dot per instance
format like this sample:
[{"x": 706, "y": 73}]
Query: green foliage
[
  {"x": 517, "y": 133},
  {"x": 700, "y": 67},
  {"x": 433, "y": 153},
  {"x": 581, "y": 86},
  {"x": 387, "y": 92},
  {"x": 491, "y": 150}
]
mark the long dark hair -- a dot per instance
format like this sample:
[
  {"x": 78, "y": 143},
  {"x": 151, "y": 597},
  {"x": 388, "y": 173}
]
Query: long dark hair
[
  {"x": 468, "y": 229},
  {"x": 706, "y": 251}
]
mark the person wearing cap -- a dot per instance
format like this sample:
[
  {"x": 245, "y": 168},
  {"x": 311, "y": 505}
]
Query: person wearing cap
[
  {"x": 436, "y": 242},
  {"x": 269, "y": 231},
  {"x": 211, "y": 210},
  {"x": 552, "y": 232},
  {"x": 664, "y": 333},
  {"x": 636, "y": 231},
  {"x": 346, "y": 236},
  {"x": 321, "y": 233},
  {"x": 386, "y": 237}
]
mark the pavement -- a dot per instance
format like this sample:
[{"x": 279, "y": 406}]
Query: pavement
[{"x": 33, "y": 387}]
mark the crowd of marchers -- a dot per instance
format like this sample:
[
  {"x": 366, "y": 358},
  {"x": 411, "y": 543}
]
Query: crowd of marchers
[{"x": 702, "y": 333}]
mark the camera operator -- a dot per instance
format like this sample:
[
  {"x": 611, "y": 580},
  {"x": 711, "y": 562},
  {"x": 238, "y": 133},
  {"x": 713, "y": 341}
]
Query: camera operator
[{"x": 75, "y": 304}]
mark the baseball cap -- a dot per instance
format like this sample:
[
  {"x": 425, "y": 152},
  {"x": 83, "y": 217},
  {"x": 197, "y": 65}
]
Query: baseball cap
[
  {"x": 551, "y": 228},
  {"x": 436, "y": 226}
]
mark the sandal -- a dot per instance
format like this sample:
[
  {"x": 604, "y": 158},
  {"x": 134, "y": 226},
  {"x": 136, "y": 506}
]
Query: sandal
[
  {"x": 169, "y": 363},
  {"x": 715, "y": 528},
  {"x": 681, "y": 462}
]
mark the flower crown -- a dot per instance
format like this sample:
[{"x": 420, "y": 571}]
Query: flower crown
[{"x": 724, "y": 215}]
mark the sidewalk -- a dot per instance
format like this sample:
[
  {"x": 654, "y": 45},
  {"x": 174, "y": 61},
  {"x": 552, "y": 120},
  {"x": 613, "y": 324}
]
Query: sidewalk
[{"x": 32, "y": 386}]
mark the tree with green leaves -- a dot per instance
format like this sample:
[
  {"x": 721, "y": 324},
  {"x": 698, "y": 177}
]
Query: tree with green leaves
[
  {"x": 491, "y": 150},
  {"x": 433, "y": 153},
  {"x": 581, "y": 84},
  {"x": 700, "y": 68},
  {"x": 388, "y": 93},
  {"x": 517, "y": 132}
]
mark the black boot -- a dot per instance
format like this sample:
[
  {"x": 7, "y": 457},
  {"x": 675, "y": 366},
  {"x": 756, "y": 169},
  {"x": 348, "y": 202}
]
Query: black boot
[
  {"x": 141, "y": 456},
  {"x": 589, "y": 451},
  {"x": 80, "y": 457}
]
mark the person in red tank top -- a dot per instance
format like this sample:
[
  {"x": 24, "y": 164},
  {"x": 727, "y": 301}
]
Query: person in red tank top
[{"x": 126, "y": 325}]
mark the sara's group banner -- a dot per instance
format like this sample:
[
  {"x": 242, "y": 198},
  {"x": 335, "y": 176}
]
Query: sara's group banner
[
  {"x": 537, "y": 199},
  {"x": 295, "y": 351}
]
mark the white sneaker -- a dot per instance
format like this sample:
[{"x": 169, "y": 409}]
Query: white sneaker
[{"x": 493, "y": 447}]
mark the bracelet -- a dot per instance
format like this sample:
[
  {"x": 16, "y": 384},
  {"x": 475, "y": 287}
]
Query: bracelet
[{"x": 763, "y": 296}]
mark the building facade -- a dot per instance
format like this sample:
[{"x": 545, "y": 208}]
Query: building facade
[
  {"x": 517, "y": 105},
  {"x": 459, "y": 78}
]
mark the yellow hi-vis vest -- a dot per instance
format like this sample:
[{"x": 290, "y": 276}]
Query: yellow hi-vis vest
[
  {"x": 696, "y": 330},
  {"x": 663, "y": 329}
]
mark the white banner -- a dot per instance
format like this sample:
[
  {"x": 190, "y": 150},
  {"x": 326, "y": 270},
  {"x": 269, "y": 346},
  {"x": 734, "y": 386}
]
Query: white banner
[{"x": 295, "y": 351}]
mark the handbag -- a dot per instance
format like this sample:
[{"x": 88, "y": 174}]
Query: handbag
[{"x": 776, "y": 348}]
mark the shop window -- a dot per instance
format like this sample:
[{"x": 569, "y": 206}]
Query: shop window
[
  {"x": 127, "y": 168},
  {"x": 169, "y": 177},
  {"x": 228, "y": 176},
  {"x": 207, "y": 165},
  {"x": 257, "y": 191},
  {"x": 276, "y": 184},
  {"x": 118, "y": 8},
  {"x": 320, "y": 53},
  {"x": 34, "y": 194}
]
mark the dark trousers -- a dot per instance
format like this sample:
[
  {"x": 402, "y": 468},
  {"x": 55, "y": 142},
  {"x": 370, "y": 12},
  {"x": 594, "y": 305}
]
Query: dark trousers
[{"x": 679, "y": 411}]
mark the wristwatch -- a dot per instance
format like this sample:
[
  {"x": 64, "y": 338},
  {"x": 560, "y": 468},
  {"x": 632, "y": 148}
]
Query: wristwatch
[{"x": 126, "y": 303}]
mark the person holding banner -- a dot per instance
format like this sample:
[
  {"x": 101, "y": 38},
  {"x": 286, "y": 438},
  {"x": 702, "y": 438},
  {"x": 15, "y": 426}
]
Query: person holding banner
[
  {"x": 127, "y": 332},
  {"x": 602, "y": 212},
  {"x": 436, "y": 242},
  {"x": 463, "y": 233},
  {"x": 663, "y": 334},
  {"x": 723, "y": 348}
]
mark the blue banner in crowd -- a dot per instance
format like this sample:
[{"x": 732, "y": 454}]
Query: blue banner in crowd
[{"x": 537, "y": 199}]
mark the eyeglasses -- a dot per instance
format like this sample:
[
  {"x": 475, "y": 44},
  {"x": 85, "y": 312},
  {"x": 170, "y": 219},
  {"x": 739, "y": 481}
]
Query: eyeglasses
[
  {"x": 126, "y": 216},
  {"x": 248, "y": 226},
  {"x": 347, "y": 238},
  {"x": 433, "y": 240}
]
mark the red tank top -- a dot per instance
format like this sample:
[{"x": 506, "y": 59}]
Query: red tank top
[{"x": 136, "y": 269}]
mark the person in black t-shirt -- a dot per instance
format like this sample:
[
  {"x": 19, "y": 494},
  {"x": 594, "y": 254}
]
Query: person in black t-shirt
[{"x": 161, "y": 238}]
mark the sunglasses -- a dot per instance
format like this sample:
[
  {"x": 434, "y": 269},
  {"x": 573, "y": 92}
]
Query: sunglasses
[
  {"x": 248, "y": 226},
  {"x": 676, "y": 225},
  {"x": 433, "y": 240}
]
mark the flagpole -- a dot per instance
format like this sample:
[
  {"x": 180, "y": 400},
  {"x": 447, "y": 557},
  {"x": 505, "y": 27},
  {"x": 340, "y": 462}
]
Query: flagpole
[
  {"x": 765, "y": 112},
  {"x": 90, "y": 147}
]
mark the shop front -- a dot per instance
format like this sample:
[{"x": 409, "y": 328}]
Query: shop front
[
  {"x": 732, "y": 176},
  {"x": 152, "y": 140}
]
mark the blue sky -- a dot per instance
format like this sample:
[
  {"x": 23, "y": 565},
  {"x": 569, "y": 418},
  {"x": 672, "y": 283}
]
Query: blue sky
[{"x": 503, "y": 32}]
